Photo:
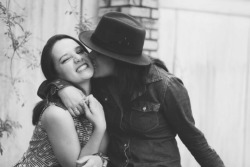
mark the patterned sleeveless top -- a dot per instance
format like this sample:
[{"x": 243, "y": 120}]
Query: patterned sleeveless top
[{"x": 40, "y": 153}]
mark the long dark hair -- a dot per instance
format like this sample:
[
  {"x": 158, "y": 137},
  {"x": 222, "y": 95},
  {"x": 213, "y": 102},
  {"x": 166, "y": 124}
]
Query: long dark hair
[
  {"x": 131, "y": 78},
  {"x": 48, "y": 70}
]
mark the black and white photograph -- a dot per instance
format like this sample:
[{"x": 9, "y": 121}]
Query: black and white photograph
[{"x": 125, "y": 83}]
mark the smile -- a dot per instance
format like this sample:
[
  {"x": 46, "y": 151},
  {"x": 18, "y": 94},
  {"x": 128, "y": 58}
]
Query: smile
[{"x": 81, "y": 67}]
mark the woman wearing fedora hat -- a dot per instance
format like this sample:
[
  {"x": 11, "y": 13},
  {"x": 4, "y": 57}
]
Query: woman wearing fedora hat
[{"x": 145, "y": 105}]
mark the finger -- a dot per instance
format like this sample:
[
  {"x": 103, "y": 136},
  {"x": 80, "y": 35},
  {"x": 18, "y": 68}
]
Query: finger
[
  {"x": 86, "y": 109},
  {"x": 82, "y": 160},
  {"x": 94, "y": 105},
  {"x": 91, "y": 100},
  {"x": 91, "y": 97},
  {"x": 77, "y": 112},
  {"x": 86, "y": 100},
  {"x": 83, "y": 164},
  {"x": 89, "y": 163},
  {"x": 71, "y": 112},
  {"x": 78, "y": 109},
  {"x": 82, "y": 111}
]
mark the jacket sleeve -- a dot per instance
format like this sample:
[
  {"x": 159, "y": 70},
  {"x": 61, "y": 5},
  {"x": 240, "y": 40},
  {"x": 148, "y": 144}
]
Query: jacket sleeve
[
  {"x": 179, "y": 115},
  {"x": 51, "y": 88}
]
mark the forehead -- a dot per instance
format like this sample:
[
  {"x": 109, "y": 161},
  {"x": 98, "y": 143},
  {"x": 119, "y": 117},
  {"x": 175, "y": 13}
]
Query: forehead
[{"x": 63, "y": 46}]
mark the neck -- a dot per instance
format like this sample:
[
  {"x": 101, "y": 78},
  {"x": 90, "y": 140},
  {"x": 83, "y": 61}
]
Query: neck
[{"x": 86, "y": 87}]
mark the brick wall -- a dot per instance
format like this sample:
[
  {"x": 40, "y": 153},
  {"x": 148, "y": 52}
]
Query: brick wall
[{"x": 146, "y": 11}]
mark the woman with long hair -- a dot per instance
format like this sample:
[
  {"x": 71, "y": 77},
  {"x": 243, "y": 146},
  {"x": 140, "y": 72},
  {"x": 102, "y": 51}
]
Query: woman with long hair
[{"x": 59, "y": 139}]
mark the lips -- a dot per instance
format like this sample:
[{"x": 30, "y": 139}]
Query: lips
[{"x": 82, "y": 67}]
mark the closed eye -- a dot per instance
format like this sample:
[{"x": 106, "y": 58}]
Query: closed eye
[
  {"x": 65, "y": 60},
  {"x": 80, "y": 50}
]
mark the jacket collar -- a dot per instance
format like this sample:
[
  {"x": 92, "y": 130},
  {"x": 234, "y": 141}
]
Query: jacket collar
[{"x": 152, "y": 76}]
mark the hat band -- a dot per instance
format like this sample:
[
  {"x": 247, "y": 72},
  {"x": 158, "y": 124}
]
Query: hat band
[{"x": 116, "y": 47}]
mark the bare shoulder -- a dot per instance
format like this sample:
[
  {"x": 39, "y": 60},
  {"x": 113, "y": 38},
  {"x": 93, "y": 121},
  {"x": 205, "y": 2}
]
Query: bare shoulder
[{"x": 54, "y": 115}]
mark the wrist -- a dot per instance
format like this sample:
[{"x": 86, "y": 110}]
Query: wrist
[
  {"x": 100, "y": 127},
  {"x": 57, "y": 85},
  {"x": 104, "y": 158},
  {"x": 53, "y": 90}
]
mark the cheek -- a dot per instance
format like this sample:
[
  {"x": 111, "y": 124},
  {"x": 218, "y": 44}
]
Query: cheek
[{"x": 65, "y": 72}]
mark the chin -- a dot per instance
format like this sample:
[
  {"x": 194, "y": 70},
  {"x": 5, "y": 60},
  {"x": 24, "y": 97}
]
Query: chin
[{"x": 87, "y": 75}]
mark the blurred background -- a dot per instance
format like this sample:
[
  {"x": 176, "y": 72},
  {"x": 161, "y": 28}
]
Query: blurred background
[{"x": 206, "y": 43}]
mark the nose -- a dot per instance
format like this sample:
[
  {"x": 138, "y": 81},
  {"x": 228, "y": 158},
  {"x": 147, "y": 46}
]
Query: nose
[{"x": 77, "y": 59}]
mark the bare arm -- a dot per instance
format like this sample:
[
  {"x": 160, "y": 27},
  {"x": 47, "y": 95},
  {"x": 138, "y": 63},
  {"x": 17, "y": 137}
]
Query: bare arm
[
  {"x": 61, "y": 131},
  {"x": 62, "y": 135},
  {"x": 72, "y": 98},
  {"x": 100, "y": 143},
  {"x": 94, "y": 113}
]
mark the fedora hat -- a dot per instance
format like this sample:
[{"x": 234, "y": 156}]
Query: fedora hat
[{"x": 118, "y": 36}]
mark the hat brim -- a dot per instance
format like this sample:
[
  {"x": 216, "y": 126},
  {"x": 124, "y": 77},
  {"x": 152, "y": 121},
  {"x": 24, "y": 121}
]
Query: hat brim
[{"x": 85, "y": 38}]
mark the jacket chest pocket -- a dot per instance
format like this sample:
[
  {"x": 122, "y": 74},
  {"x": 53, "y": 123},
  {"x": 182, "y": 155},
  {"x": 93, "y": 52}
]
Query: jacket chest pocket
[{"x": 144, "y": 116}]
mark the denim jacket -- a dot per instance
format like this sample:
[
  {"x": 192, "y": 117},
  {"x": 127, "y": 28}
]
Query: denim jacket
[{"x": 143, "y": 135}]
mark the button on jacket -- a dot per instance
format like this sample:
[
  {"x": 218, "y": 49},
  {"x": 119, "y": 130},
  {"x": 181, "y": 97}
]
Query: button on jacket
[{"x": 143, "y": 135}]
